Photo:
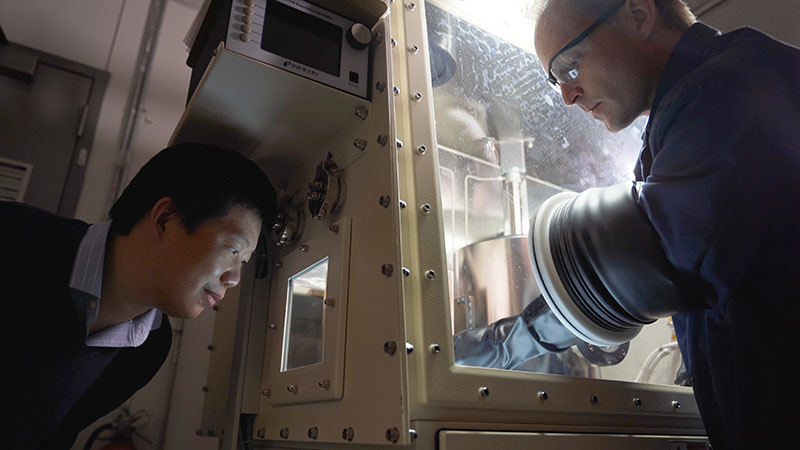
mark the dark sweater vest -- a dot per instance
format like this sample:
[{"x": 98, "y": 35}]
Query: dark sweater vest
[{"x": 54, "y": 385}]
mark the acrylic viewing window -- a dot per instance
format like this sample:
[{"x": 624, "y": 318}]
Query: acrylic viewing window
[{"x": 303, "y": 338}]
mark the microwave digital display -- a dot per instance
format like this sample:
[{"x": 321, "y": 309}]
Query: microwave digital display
[{"x": 301, "y": 37}]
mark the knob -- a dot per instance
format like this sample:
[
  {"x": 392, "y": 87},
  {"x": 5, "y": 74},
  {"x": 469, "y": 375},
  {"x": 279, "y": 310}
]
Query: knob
[{"x": 359, "y": 36}]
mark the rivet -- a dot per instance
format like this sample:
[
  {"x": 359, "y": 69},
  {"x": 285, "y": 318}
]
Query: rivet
[
  {"x": 394, "y": 42},
  {"x": 425, "y": 208},
  {"x": 412, "y": 433},
  {"x": 413, "y": 49},
  {"x": 399, "y": 143},
  {"x": 334, "y": 229},
  {"x": 313, "y": 433},
  {"x": 484, "y": 391},
  {"x": 292, "y": 388},
  {"x": 421, "y": 149},
  {"x": 594, "y": 400},
  {"x": 676, "y": 404},
  {"x": 390, "y": 347},
  {"x": 385, "y": 201},
  {"x": 304, "y": 248},
  {"x": 409, "y": 348},
  {"x": 387, "y": 270},
  {"x": 410, "y": 6},
  {"x": 396, "y": 90},
  {"x": 383, "y": 139},
  {"x": 430, "y": 274},
  {"x": 380, "y": 86},
  {"x": 348, "y": 434},
  {"x": 392, "y": 434},
  {"x": 285, "y": 433},
  {"x": 329, "y": 302},
  {"x": 637, "y": 401},
  {"x": 402, "y": 204},
  {"x": 278, "y": 264},
  {"x": 272, "y": 326},
  {"x": 435, "y": 348},
  {"x": 266, "y": 392},
  {"x": 417, "y": 97},
  {"x": 542, "y": 395},
  {"x": 406, "y": 272}
]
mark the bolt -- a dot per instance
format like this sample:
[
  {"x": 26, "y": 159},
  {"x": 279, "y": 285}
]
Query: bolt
[
  {"x": 594, "y": 400},
  {"x": 387, "y": 270},
  {"x": 542, "y": 395},
  {"x": 383, "y": 139},
  {"x": 399, "y": 143},
  {"x": 435, "y": 348},
  {"x": 385, "y": 201},
  {"x": 430, "y": 274},
  {"x": 378, "y": 37},
  {"x": 380, "y": 86},
  {"x": 313, "y": 433},
  {"x": 292, "y": 388},
  {"x": 278, "y": 264},
  {"x": 360, "y": 144},
  {"x": 272, "y": 326},
  {"x": 329, "y": 302},
  {"x": 676, "y": 404},
  {"x": 413, "y": 49},
  {"x": 417, "y": 97},
  {"x": 390, "y": 347},
  {"x": 325, "y": 384},
  {"x": 425, "y": 208},
  {"x": 266, "y": 392},
  {"x": 285, "y": 433},
  {"x": 406, "y": 272},
  {"x": 413, "y": 434},
  {"x": 261, "y": 433},
  {"x": 396, "y": 90},
  {"x": 362, "y": 113},
  {"x": 304, "y": 248},
  {"x": 422, "y": 149},
  {"x": 348, "y": 434},
  {"x": 394, "y": 42},
  {"x": 402, "y": 204},
  {"x": 334, "y": 228},
  {"x": 409, "y": 348},
  {"x": 392, "y": 434},
  {"x": 484, "y": 391},
  {"x": 410, "y": 6},
  {"x": 637, "y": 401}
]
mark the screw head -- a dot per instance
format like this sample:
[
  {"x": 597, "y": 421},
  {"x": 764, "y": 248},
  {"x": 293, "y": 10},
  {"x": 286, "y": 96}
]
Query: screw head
[
  {"x": 435, "y": 348},
  {"x": 542, "y": 395},
  {"x": 417, "y": 97},
  {"x": 394, "y": 42},
  {"x": 410, "y": 6},
  {"x": 261, "y": 433},
  {"x": 425, "y": 208},
  {"x": 387, "y": 270},
  {"x": 266, "y": 392},
  {"x": 594, "y": 400},
  {"x": 406, "y": 272},
  {"x": 413, "y": 434},
  {"x": 292, "y": 388},
  {"x": 385, "y": 201},
  {"x": 272, "y": 326},
  {"x": 362, "y": 113},
  {"x": 313, "y": 433},
  {"x": 484, "y": 391},
  {"x": 396, "y": 90},
  {"x": 329, "y": 302},
  {"x": 399, "y": 143},
  {"x": 304, "y": 248},
  {"x": 390, "y": 347},
  {"x": 413, "y": 49},
  {"x": 285, "y": 433},
  {"x": 383, "y": 139},
  {"x": 421, "y": 149},
  {"x": 676, "y": 404},
  {"x": 402, "y": 204},
  {"x": 325, "y": 384},
  {"x": 380, "y": 86},
  {"x": 348, "y": 434},
  {"x": 430, "y": 274},
  {"x": 334, "y": 228},
  {"x": 409, "y": 348},
  {"x": 278, "y": 264},
  {"x": 637, "y": 402},
  {"x": 392, "y": 434}
]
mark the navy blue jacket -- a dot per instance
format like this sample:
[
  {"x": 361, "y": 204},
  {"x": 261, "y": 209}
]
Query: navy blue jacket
[
  {"x": 721, "y": 165},
  {"x": 53, "y": 385}
]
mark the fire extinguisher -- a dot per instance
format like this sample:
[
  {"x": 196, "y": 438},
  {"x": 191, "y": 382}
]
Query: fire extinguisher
[{"x": 123, "y": 427}]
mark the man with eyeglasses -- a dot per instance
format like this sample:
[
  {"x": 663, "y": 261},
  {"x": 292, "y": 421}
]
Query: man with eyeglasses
[{"x": 721, "y": 170}]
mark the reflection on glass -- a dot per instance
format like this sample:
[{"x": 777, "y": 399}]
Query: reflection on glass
[
  {"x": 302, "y": 340},
  {"x": 507, "y": 142}
]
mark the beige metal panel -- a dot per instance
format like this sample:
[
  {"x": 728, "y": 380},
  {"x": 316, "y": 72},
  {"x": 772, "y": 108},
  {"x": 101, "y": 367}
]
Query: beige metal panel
[
  {"x": 439, "y": 389},
  {"x": 480, "y": 440},
  {"x": 374, "y": 400}
]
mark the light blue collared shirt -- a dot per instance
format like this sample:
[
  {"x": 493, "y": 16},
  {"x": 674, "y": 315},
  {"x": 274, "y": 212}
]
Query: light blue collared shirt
[{"x": 86, "y": 286}]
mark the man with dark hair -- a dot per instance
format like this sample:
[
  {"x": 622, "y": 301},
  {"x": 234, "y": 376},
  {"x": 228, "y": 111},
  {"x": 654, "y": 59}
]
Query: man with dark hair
[
  {"x": 719, "y": 167},
  {"x": 90, "y": 298}
]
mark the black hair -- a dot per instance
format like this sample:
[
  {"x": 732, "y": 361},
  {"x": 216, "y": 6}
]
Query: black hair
[{"x": 204, "y": 181}]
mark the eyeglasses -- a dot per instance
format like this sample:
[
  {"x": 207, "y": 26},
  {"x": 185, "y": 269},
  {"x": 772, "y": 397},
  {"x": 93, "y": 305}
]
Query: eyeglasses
[{"x": 565, "y": 65}]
